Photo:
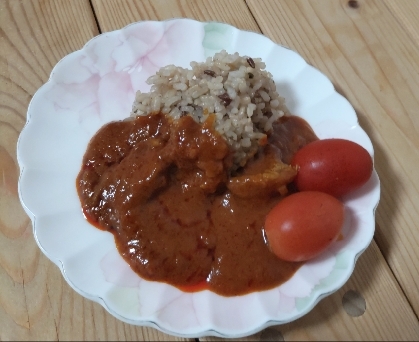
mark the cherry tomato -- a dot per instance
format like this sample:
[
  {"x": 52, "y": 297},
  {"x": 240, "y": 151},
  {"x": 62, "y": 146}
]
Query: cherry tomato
[
  {"x": 303, "y": 225},
  {"x": 334, "y": 166}
]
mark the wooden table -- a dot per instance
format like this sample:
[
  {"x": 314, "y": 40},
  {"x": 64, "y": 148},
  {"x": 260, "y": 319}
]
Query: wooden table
[{"x": 368, "y": 48}]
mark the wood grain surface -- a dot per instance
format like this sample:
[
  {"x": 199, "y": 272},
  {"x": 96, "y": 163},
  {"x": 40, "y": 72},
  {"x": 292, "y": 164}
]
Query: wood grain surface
[{"x": 370, "y": 51}]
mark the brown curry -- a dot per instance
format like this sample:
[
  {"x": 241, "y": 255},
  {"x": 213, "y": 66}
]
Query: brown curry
[{"x": 165, "y": 191}]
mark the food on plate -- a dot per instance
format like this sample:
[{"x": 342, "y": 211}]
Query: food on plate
[
  {"x": 303, "y": 225},
  {"x": 333, "y": 166},
  {"x": 186, "y": 183}
]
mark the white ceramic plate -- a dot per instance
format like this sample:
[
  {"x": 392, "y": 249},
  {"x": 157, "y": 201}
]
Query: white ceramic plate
[{"x": 95, "y": 85}]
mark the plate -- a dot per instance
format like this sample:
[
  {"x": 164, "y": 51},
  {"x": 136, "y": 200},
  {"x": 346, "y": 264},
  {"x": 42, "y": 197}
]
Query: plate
[{"x": 97, "y": 84}]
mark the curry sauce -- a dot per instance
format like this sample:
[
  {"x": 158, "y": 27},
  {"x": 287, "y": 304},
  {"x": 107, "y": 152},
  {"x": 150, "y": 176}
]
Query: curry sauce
[{"x": 165, "y": 190}]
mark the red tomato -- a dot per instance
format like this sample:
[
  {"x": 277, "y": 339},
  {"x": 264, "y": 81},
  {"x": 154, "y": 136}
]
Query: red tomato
[
  {"x": 334, "y": 166},
  {"x": 303, "y": 225}
]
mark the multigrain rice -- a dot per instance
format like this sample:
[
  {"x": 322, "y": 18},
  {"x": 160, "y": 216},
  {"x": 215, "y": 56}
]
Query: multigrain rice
[{"x": 235, "y": 88}]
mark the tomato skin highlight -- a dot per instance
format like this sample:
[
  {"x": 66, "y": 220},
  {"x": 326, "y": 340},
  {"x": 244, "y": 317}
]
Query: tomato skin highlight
[
  {"x": 303, "y": 225},
  {"x": 334, "y": 166}
]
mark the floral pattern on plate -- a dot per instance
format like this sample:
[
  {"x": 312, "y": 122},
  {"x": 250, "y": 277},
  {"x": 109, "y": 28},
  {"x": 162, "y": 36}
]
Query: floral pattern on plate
[{"x": 97, "y": 84}]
